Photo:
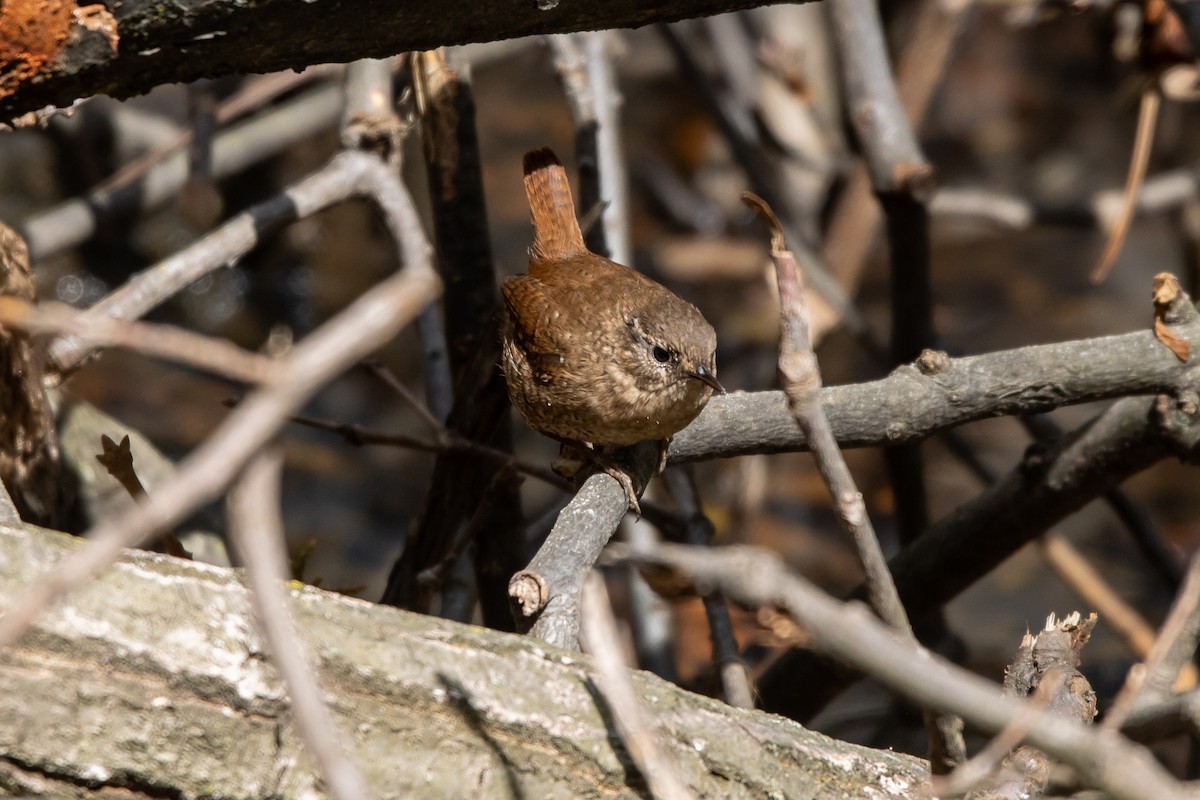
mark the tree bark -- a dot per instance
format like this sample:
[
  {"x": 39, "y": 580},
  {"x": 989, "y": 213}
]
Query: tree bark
[
  {"x": 160, "y": 43},
  {"x": 153, "y": 679}
]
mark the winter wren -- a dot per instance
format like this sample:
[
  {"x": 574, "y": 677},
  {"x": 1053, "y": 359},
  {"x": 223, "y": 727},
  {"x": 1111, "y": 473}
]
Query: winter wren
[{"x": 597, "y": 355}]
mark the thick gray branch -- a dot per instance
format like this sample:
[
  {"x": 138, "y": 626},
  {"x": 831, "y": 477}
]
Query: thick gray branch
[
  {"x": 190, "y": 39},
  {"x": 154, "y": 678},
  {"x": 940, "y": 392}
]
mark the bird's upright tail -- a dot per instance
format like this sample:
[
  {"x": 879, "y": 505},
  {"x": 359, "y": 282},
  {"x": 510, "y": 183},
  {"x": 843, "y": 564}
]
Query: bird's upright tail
[{"x": 556, "y": 233}]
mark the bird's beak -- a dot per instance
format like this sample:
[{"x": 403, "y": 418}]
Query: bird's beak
[{"x": 705, "y": 375}]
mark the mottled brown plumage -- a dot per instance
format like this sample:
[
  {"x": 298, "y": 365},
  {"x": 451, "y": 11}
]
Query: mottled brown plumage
[{"x": 595, "y": 352}]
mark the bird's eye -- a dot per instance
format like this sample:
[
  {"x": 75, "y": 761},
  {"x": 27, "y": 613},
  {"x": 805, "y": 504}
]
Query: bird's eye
[{"x": 661, "y": 354}]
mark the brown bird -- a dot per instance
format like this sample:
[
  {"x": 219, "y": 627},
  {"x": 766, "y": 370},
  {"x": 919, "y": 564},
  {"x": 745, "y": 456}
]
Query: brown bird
[{"x": 597, "y": 355}]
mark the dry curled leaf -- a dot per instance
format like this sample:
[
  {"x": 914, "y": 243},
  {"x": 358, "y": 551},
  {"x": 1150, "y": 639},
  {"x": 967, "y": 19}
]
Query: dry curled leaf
[
  {"x": 118, "y": 460},
  {"x": 1167, "y": 293}
]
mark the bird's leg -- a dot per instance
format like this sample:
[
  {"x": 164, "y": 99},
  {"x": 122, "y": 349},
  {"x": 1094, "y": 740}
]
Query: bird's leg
[
  {"x": 663, "y": 445},
  {"x": 572, "y": 456}
]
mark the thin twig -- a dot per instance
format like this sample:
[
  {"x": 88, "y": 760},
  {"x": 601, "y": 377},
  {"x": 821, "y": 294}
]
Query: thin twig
[
  {"x": 1089, "y": 584},
  {"x": 889, "y": 144},
  {"x": 921, "y": 64},
  {"x": 801, "y": 379},
  {"x": 735, "y": 678},
  {"x": 452, "y": 443},
  {"x": 1176, "y": 643},
  {"x": 1143, "y": 143},
  {"x": 390, "y": 380},
  {"x": 257, "y": 531},
  {"x": 610, "y": 159},
  {"x": 600, "y": 640}
]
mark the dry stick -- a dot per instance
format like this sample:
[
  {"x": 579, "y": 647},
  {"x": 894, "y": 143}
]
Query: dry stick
[
  {"x": 801, "y": 379},
  {"x": 450, "y": 442},
  {"x": 168, "y": 342},
  {"x": 613, "y": 193},
  {"x": 1143, "y": 143},
  {"x": 889, "y": 145},
  {"x": 1089, "y": 584},
  {"x": 367, "y": 323},
  {"x": 257, "y": 531},
  {"x": 1174, "y": 646},
  {"x": 390, "y": 380},
  {"x": 74, "y": 221},
  {"x": 571, "y": 64},
  {"x": 347, "y": 174},
  {"x": 854, "y": 636},
  {"x": 601, "y": 641},
  {"x": 369, "y": 121},
  {"x": 735, "y": 678}
]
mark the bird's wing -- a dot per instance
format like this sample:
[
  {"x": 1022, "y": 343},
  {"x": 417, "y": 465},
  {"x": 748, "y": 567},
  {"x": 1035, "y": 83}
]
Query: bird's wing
[{"x": 533, "y": 315}]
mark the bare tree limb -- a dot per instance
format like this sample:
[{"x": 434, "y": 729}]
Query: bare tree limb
[
  {"x": 204, "y": 39},
  {"x": 939, "y": 392},
  {"x": 180, "y": 664}
]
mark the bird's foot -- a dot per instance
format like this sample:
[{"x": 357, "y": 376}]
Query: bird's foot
[
  {"x": 622, "y": 477},
  {"x": 574, "y": 455}
]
